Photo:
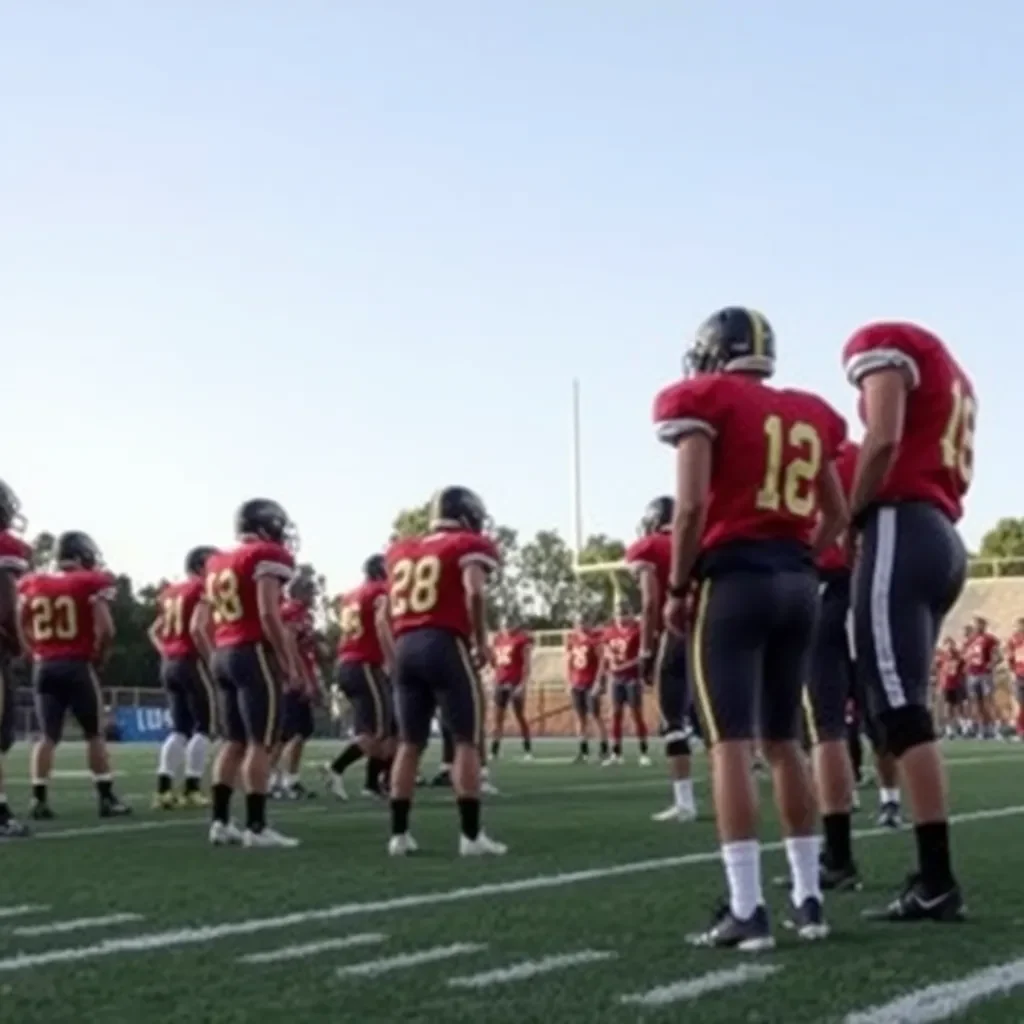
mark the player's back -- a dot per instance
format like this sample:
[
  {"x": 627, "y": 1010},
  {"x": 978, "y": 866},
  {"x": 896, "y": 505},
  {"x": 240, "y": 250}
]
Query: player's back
[
  {"x": 357, "y": 613},
  {"x": 230, "y": 585},
  {"x": 935, "y": 460},
  {"x": 177, "y": 602},
  {"x": 57, "y": 612}
]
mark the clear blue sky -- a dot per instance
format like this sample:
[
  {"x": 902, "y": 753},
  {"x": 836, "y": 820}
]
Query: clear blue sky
[{"x": 340, "y": 253}]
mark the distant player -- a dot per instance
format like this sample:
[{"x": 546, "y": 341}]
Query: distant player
[
  {"x": 620, "y": 646},
  {"x": 65, "y": 626},
  {"x": 513, "y": 649},
  {"x": 583, "y": 668},
  {"x": 915, "y": 466},
  {"x": 438, "y": 615},
  {"x": 182, "y": 640},
  {"x": 15, "y": 560},
  {"x": 254, "y": 662},
  {"x": 952, "y": 683},
  {"x": 754, "y": 468},
  {"x": 1015, "y": 659},
  {"x": 663, "y": 653},
  {"x": 981, "y": 655},
  {"x": 365, "y": 655}
]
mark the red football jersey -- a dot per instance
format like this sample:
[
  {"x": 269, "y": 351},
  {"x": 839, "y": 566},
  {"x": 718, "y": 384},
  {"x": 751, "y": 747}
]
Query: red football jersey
[
  {"x": 57, "y": 612},
  {"x": 655, "y": 552},
  {"x": 583, "y": 654},
  {"x": 770, "y": 446},
  {"x": 357, "y": 612},
  {"x": 15, "y": 554},
  {"x": 300, "y": 618},
  {"x": 177, "y": 602},
  {"x": 935, "y": 460},
  {"x": 1015, "y": 653},
  {"x": 622, "y": 648},
  {"x": 950, "y": 669},
  {"x": 837, "y": 556},
  {"x": 425, "y": 579},
  {"x": 980, "y": 653},
  {"x": 230, "y": 586},
  {"x": 511, "y": 649}
]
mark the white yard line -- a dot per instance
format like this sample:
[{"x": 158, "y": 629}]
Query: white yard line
[
  {"x": 371, "y": 968},
  {"x": 694, "y": 988},
  {"x": 949, "y": 999},
  {"x": 76, "y": 924},
  {"x": 275, "y": 956},
  {"x": 22, "y": 910},
  {"x": 151, "y": 941},
  {"x": 531, "y": 968}
]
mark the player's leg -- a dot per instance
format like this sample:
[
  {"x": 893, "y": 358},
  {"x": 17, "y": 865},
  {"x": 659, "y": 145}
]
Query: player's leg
[
  {"x": 619, "y": 699},
  {"x": 581, "y": 712},
  {"x": 227, "y": 764},
  {"x": 203, "y": 704},
  {"x": 519, "y": 710},
  {"x": 444, "y": 772},
  {"x": 296, "y": 748},
  {"x": 50, "y": 694},
  {"x": 635, "y": 700},
  {"x": 172, "y": 751},
  {"x": 502, "y": 698},
  {"x": 671, "y": 680},
  {"x": 10, "y": 827},
  {"x": 595, "y": 699},
  {"x": 349, "y": 677},
  {"x": 86, "y": 705},
  {"x": 911, "y": 570}
]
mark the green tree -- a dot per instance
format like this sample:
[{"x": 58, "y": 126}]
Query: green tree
[
  {"x": 601, "y": 591},
  {"x": 547, "y": 587},
  {"x": 411, "y": 522},
  {"x": 1005, "y": 540},
  {"x": 133, "y": 662}
]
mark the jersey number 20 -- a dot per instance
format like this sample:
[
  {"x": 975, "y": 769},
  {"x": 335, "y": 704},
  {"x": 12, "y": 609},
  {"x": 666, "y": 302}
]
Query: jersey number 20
[{"x": 792, "y": 465}]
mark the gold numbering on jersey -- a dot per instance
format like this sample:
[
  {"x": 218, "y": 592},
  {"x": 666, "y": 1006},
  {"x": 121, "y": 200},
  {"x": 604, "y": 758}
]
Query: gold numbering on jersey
[
  {"x": 579, "y": 657},
  {"x": 503, "y": 655},
  {"x": 351, "y": 621},
  {"x": 414, "y": 585},
  {"x": 223, "y": 596},
  {"x": 173, "y": 616},
  {"x": 54, "y": 618},
  {"x": 789, "y": 483},
  {"x": 958, "y": 437}
]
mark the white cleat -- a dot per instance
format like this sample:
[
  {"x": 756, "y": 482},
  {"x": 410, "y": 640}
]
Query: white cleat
[
  {"x": 527, "y": 756},
  {"x": 333, "y": 783},
  {"x": 482, "y": 846},
  {"x": 488, "y": 788},
  {"x": 267, "y": 839},
  {"x": 402, "y": 845},
  {"x": 222, "y": 834},
  {"x": 644, "y": 761},
  {"x": 679, "y": 814},
  {"x": 606, "y": 761}
]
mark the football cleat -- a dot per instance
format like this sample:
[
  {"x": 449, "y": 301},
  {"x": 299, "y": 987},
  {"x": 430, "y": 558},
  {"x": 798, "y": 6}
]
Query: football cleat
[
  {"x": 113, "y": 808},
  {"x": 915, "y": 903},
  {"x": 402, "y": 845},
  {"x": 266, "y": 839},
  {"x": 40, "y": 811},
  {"x": 839, "y": 879},
  {"x": 889, "y": 816},
  {"x": 527, "y": 756},
  {"x": 644, "y": 761},
  {"x": 808, "y": 920},
  {"x": 488, "y": 788},
  {"x": 225, "y": 834},
  {"x": 678, "y": 814},
  {"x": 164, "y": 801},
  {"x": 754, "y": 935},
  {"x": 14, "y": 829},
  {"x": 193, "y": 799},
  {"x": 482, "y": 846}
]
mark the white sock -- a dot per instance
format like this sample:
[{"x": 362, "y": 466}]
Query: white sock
[
  {"x": 888, "y": 796},
  {"x": 743, "y": 871},
  {"x": 275, "y": 779},
  {"x": 803, "y": 852},
  {"x": 195, "y": 756},
  {"x": 172, "y": 754},
  {"x": 683, "y": 791}
]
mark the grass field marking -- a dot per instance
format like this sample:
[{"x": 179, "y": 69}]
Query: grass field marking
[
  {"x": 946, "y": 1000},
  {"x": 531, "y": 968},
  {"x": 307, "y": 949},
  {"x": 433, "y": 955},
  {"x": 694, "y": 988},
  {"x": 23, "y": 909},
  {"x": 76, "y": 924},
  {"x": 149, "y": 942}
]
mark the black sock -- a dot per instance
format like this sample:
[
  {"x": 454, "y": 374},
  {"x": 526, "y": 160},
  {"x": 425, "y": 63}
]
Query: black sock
[
  {"x": 584, "y": 748},
  {"x": 39, "y": 792},
  {"x": 256, "y": 811},
  {"x": 191, "y": 784},
  {"x": 372, "y": 780},
  {"x": 527, "y": 743},
  {"x": 469, "y": 816},
  {"x": 617, "y": 750},
  {"x": 838, "y": 849},
  {"x": 5, "y": 811},
  {"x": 604, "y": 748},
  {"x": 221, "y": 802},
  {"x": 933, "y": 856},
  {"x": 163, "y": 784},
  {"x": 643, "y": 746},
  {"x": 495, "y": 747},
  {"x": 105, "y": 789},
  {"x": 346, "y": 758},
  {"x": 400, "y": 816}
]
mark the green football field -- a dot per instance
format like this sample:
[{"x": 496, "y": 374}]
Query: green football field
[{"x": 584, "y": 920}]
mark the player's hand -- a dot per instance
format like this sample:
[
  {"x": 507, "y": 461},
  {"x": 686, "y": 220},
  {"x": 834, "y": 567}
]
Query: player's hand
[
  {"x": 647, "y": 668},
  {"x": 675, "y": 615},
  {"x": 482, "y": 657}
]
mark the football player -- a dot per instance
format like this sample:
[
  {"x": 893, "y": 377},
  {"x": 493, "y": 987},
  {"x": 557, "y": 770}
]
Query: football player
[
  {"x": 915, "y": 466},
  {"x": 950, "y": 673},
  {"x": 1015, "y": 659},
  {"x": 15, "y": 560},
  {"x": 981, "y": 653},
  {"x": 583, "y": 666},
  {"x": 620, "y": 646},
  {"x": 438, "y": 615},
  {"x": 513, "y": 650},
  {"x": 254, "y": 659},
  {"x": 65, "y": 625},
  {"x": 650, "y": 557},
  {"x": 183, "y": 643},
  {"x": 754, "y": 466},
  {"x": 365, "y": 655}
]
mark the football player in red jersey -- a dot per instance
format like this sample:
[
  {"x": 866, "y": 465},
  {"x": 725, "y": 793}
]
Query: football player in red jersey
[
  {"x": 981, "y": 654},
  {"x": 620, "y": 647},
  {"x": 297, "y": 703},
  {"x": 65, "y": 626},
  {"x": 513, "y": 648},
  {"x": 754, "y": 466},
  {"x": 952, "y": 686},
  {"x": 436, "y": 589},
  {"x": 1015, "y": 659},
  {"x": 254, "y": 660},
  {"x": 365, "y": 654},
  {"x": 650, "y": 558},
  {"x": 582, "y": 670},
  {"x": 184, "y": 658},
  {"x": 915, "y": 466},
  {"x": 15, "y": 560}
]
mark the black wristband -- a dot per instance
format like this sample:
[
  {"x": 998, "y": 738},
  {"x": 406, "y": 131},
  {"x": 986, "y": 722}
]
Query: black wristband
[{"x": 678, "y": 592}]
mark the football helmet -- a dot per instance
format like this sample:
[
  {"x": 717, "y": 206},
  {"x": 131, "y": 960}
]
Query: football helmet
[
  {"x": 375, "y": 568},
  {"x": 10, "y": 510},
  {"x": 195, "y": 560},
  {"x": 77, "y": 548},
  {"x": 734, "y": 340},
  {"x": 266, "y": 519},
  {"x": 457, "y": 508},
  {"x": 657, "y": 516},
  {"x": 302, "y": 588}
]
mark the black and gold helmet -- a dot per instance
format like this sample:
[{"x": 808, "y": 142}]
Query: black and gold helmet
[{"x": 733, "y": 340}]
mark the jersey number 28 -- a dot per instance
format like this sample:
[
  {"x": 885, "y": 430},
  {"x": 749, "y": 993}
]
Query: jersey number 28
[{"x": 414, "y": 585}]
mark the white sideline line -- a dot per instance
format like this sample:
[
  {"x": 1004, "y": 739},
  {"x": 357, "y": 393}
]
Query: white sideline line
[
  {"x": 146, "y": 943},
  {"x": 531, "y": 968},
  {"x": 76, "y": 924},
  {"x": 274, "y": 956},
  {"x": 24, "y": 908},
  {"x": 371, "y": 968},
  {"x": 694, "y": 988},
  {"x": 946, "y": 1000}
]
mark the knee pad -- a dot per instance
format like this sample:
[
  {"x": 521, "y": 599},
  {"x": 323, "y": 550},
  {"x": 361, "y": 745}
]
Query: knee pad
[
  {"x": 905, "y": 728},
  {"x": 677, "y": 747}
]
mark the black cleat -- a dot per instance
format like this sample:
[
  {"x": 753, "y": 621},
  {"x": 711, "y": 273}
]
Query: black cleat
[
  {"x": 40, "y": 811},
  {"x": 754, "y": 935},
  {"x": 13, "y": 829},
  {"x": 916, "y": 903},
  {"x": 113, "y": 808},
  {"x": 443, "y": 779},
  {"x": 808, "y": 920},
  {"x": 840, "y": 879},
  {"x": 889, "y": 816}
]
